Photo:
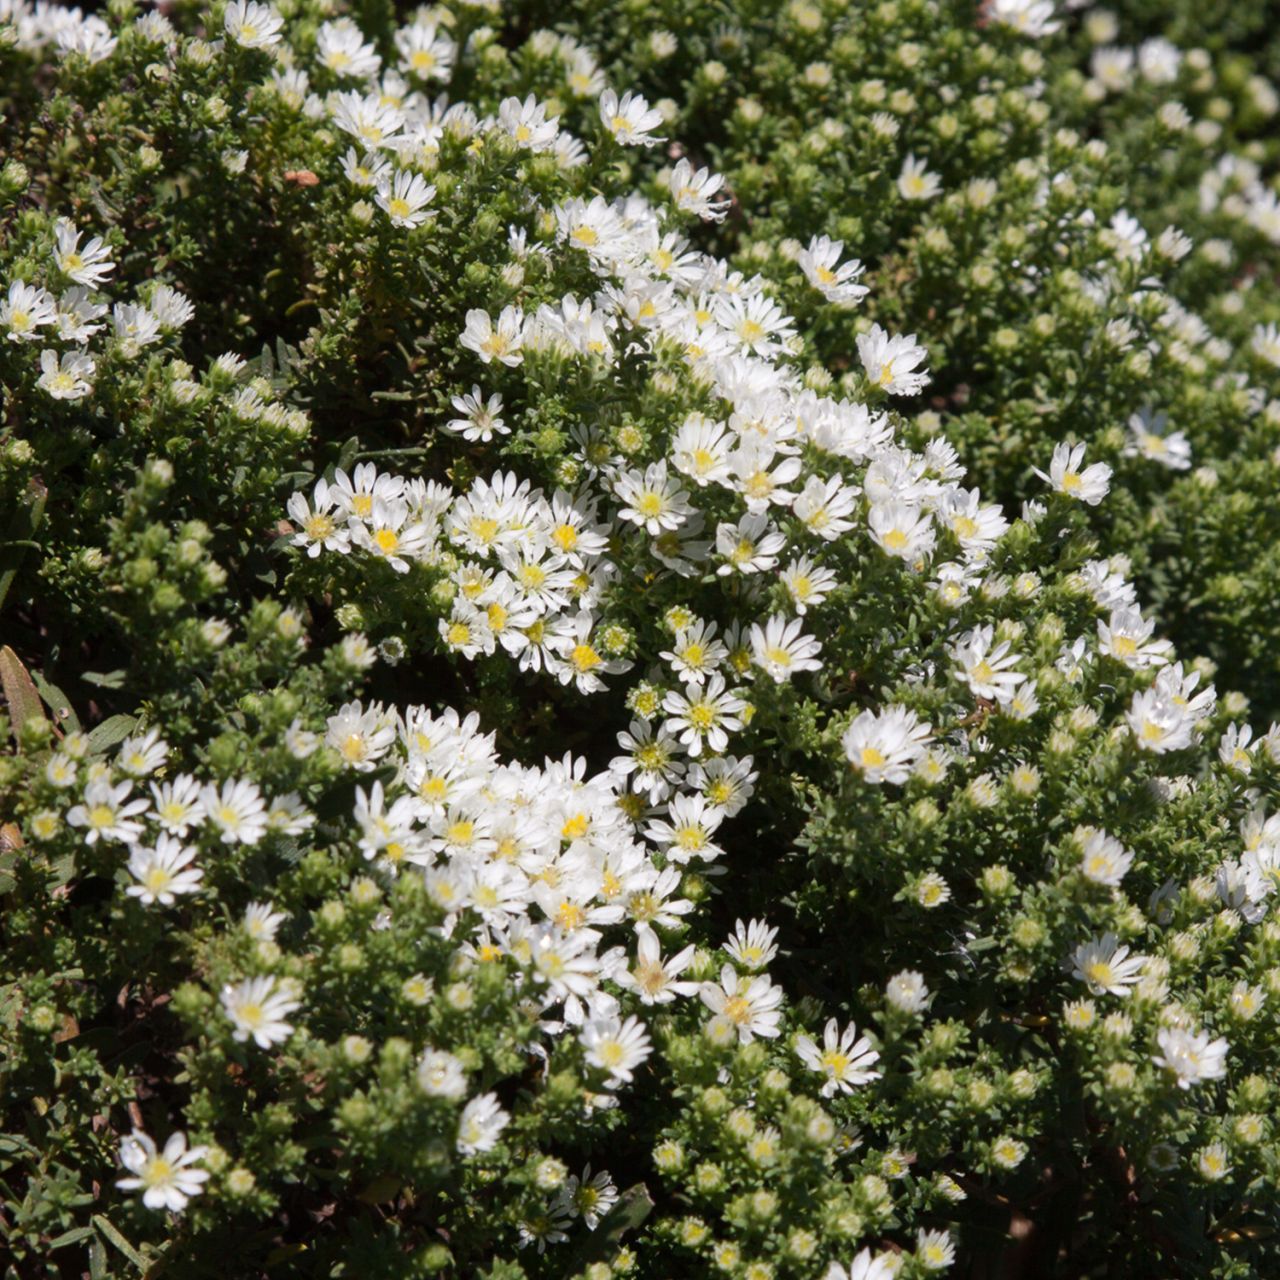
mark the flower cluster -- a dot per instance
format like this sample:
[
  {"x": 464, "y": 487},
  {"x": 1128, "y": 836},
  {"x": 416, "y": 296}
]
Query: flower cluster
[
  {"x": 75, "y": 316},
  {"x": 963, "y": 184}
]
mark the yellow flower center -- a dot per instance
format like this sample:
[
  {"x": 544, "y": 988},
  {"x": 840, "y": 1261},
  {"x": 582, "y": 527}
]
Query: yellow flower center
[
  {"x": 251, "y": 1014},
  {"x": 702, "y": 716},
  {"x": 650, "y": 977},
  {"x": 610, "y": 1053},
  {"x": 584, "y": 658},
  {"x": 433, "y": 789},
  {"x": 778, "y": 656},
  {"x": 483, "y": 528},
  {"x": 570, "y": 916}
]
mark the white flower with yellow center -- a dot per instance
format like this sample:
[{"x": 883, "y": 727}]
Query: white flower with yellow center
[
  {"x": 163, "y": 872},
  {"x": 25, "y": 310},
  {"x": 782, "y": 650},
  {"x": 836, "y": 281},
  {"x": 252, "y": 25},
  {"x": 747, "y": 1006},
  {"x": 653, "y": 979},
  {"x": 629, "y": 119},
  {"x": 846, "y": 1059},
  {"x": 617, "y": 1047},
  {"x": 237, "y": 810},
  {"x": 704, "y": 717},
  {"x": 986, "y": 667},
  {"x": 935, "y": 1250},
  {"x": 1103, "y": 859},
  {"x": 165, "y": 1178},
  {"x": 915, "y": 182},
  {"x": 258, "y": 1009},
  {"x": 69, "y": 377},
  {"x": 885, "y": 746},
  {"x": 321, "y": 524},
  {"x": 176, "y": 804},
  {"x": 89, "y": 264},
  {"x": 108, "y": 812},
  {"x": 1069, "y": 476},
  {"x": 481, "y": 1125},
  {"x": 441, "y": 1074},
  {"x": 1191, "y": 1057},
  {"x": 404, "y": 198},
  {"x": 694, "y": 191},
  {"x": 424, "y": 52},
  {"x": 1106, "y": 966}
]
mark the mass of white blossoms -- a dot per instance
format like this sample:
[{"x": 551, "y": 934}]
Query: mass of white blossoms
[
  {"x": 755, "y": 490},
  {"x": 70, "y": 319},
  {"x": 716, "y": 538}
]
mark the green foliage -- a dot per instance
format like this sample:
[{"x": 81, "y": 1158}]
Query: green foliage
[
  {"x": 545, "y": 736},
  {"x": 1044, "y": 317}
]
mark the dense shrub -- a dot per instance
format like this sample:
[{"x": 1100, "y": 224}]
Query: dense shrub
[
  {"x": 1039, "y": 256},
  {"x": 539, "y": 749}
]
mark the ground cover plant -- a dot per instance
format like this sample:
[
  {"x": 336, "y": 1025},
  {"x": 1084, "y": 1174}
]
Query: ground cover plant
[
  {"x": 1071, "y": 212},
  {"x": 561, "y": 722}
]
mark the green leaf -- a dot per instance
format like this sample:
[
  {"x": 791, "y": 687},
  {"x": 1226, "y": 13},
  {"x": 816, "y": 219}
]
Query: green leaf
[
  {"x": 114, "y": 1237},
  {"x": 19, "y": 692},
  {"x": 74, "y": 1236},
  {"x": 349, "y": 450},
  {"x": 112, "y": 731},
  {"x": 26, "y": 520},
  {"x": 57, "y": 701},
  {"x": 105, "y": 679}
]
